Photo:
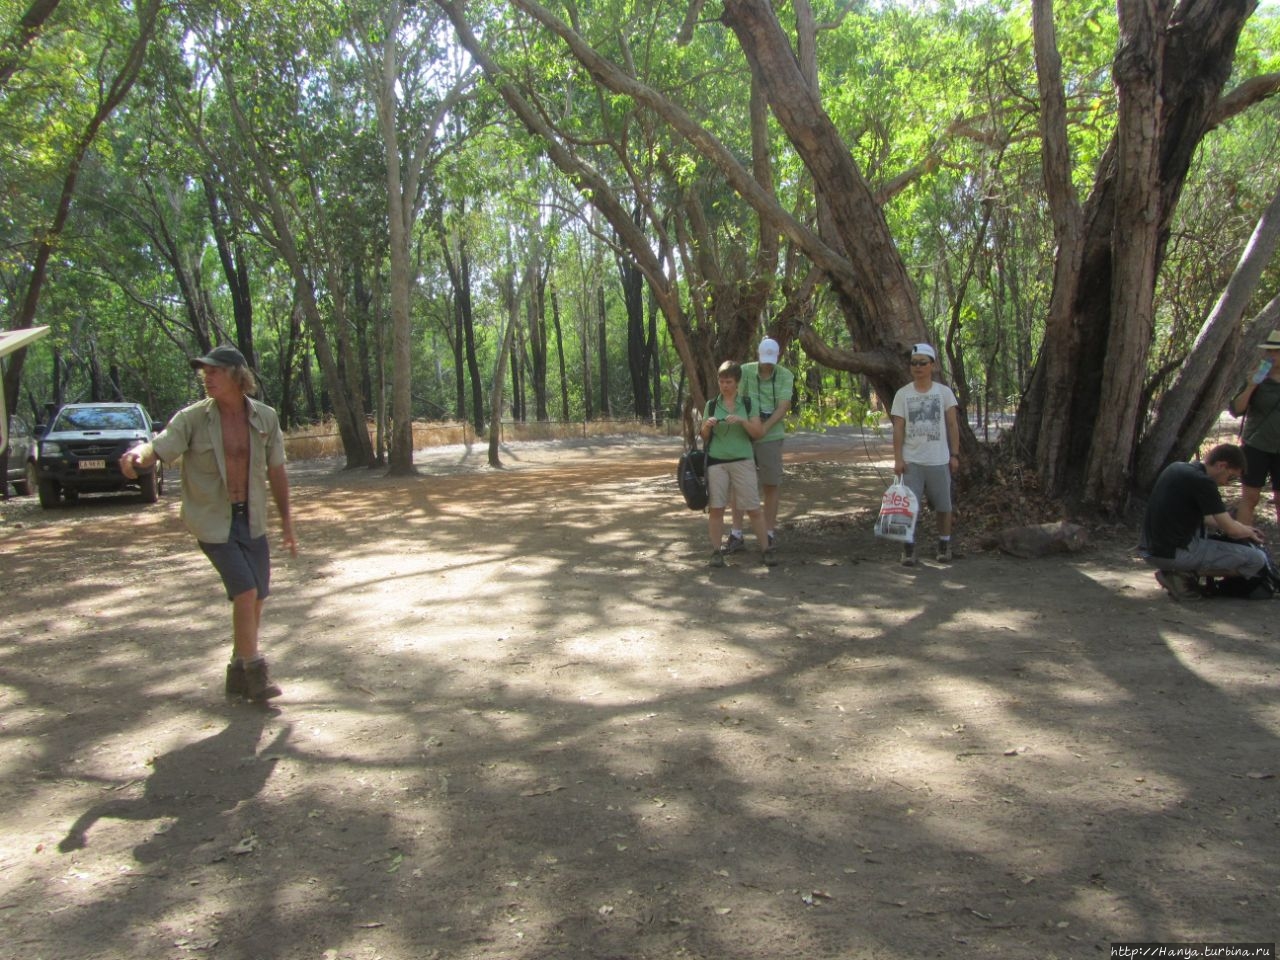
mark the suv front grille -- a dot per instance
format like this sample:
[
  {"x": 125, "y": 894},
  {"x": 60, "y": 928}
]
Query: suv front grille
[{"x": 93, "y": 450}]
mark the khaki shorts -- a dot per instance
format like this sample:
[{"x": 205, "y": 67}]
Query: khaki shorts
[{"x": 736, "y": 478}]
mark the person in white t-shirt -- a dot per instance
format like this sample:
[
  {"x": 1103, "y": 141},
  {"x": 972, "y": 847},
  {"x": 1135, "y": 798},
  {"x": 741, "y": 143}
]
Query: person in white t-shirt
[{"x": 926, "y": 444}]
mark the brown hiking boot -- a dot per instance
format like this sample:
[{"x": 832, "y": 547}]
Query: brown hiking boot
[
  {"x": 1182, "y": 587},
  {"x": 258, "y": 685},
  {"x": 236, "y": 685}
]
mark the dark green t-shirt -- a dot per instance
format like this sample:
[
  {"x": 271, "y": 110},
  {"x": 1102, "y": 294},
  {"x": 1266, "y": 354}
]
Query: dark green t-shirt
[{"x": 1262, "y": 420}]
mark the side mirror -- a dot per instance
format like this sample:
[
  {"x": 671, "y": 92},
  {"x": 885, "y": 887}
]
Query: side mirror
[
  {"x": 40, "y": 430},
  {"x": 156, "y": 426}
]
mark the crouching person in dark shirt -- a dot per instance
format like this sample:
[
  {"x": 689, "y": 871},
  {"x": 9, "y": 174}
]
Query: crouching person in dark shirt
[{"x": 1185, "y": 507}]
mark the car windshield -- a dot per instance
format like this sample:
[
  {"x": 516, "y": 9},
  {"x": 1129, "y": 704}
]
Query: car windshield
[{"x": 99, "y": 418}]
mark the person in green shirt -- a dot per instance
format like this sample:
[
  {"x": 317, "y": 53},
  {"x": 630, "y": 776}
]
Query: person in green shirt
[
  {"x": 1259, "y": 403},
  {"x": 728, "y": 428},
  {"x": 770, "y": 388}
]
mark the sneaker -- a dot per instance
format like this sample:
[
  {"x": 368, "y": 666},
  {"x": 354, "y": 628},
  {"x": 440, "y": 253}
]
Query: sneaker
[
  {"x": 908, "y": 554},
  {"x": 770, "y": 557},
  {"x": 1180, "y": 586},
  {"x": 258, "y": 685},
  {"x": 717, "y": 558},
  {"x": 944, "y": 551},
  {"x": 733, "y": 543},
  {"x": 236, "y": 684}
]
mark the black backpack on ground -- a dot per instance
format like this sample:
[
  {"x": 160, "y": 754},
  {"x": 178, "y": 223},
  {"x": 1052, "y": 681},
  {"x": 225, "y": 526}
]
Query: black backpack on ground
[{"x": 1263, "y": 585}]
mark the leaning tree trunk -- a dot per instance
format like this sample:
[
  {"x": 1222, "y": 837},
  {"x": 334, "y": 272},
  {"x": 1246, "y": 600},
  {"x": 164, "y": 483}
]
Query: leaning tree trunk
[
  {"x": 878, "y": 299},
  {"x": 1215, "y": 366}
]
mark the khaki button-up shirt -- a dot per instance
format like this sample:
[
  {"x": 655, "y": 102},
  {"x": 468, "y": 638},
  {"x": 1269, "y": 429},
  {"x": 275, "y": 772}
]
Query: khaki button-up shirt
[{"x": 195, "y": 434}]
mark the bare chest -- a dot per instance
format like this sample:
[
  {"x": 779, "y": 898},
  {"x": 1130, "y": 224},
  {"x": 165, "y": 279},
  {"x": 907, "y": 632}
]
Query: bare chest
[{"x": 235, "y": 453}]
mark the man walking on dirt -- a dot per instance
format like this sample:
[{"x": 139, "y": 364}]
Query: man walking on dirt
[
  {"x": 769, "y": 386},
  {"x": 232, "y": 450},
  {"x": 1183, "y": 503}
]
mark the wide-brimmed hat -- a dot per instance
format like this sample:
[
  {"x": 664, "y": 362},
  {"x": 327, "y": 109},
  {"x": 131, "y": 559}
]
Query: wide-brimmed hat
[
  {"x": 223, "y": 356},
  {"x": 1272, "y": 342}
]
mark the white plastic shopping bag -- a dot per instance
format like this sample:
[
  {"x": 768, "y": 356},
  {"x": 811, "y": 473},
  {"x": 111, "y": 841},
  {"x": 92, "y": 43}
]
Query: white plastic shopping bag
[{"x": 899, "y": 509}]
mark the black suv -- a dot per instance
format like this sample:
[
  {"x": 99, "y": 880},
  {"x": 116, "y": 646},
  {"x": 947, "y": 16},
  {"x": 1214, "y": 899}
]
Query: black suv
[{"x": 80, "y": 451}]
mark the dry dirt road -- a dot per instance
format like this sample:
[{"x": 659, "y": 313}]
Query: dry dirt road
[{"x": 523, "y": 720}]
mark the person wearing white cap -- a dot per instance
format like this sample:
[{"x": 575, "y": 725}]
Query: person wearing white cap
[
  {"x": 1259, "y": 403},
  {"x": 926, "y": 444},
  {"x": 232, "y": 450},
  {"x": 770, "y": 387}
]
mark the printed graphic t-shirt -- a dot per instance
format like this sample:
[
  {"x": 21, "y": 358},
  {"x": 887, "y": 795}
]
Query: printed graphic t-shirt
[{"x": 925, "y": 441}]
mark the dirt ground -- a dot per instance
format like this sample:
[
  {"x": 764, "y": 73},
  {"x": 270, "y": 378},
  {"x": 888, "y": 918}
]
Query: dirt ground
[{"x": 523, "y": 719}]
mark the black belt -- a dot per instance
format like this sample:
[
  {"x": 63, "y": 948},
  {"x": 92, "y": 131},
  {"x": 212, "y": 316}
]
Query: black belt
[{"x": 240, "y": 508}]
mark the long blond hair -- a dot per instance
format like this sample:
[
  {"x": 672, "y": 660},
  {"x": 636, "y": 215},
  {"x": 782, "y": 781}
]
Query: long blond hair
[{"x": 244, "y": 379}]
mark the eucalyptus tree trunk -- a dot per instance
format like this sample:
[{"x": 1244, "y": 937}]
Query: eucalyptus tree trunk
[
  {"x": 457, "y": 260},
  {"x": 511, "y": 301},
  {"x": 277, "y": 221},
  {"x": 235, "y": 268},
  {"x": 1138, "y": 75},
  {"x": 560, "y": 358},
  {"x": 537, "y": 286},
  {"x": 632, "y": 281},
  {"x": 1079, "y": 419},
  {"x": 401, "y": 186}
]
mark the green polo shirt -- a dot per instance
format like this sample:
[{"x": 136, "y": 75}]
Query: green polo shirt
[
  {"x": 729, "y": 441},
  {"x": 767, "y": 394},
  {"x": 195, "y": 435}
]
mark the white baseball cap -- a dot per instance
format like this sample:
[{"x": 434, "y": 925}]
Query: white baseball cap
[
  {"x": 768, "y": 350},
  {"x": 924, "y": 350}
]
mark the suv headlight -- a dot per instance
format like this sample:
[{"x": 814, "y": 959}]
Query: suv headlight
[{"x": 50, "y": 450}]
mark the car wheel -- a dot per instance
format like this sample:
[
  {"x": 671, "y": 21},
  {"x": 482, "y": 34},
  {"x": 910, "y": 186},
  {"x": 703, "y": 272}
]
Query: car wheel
[
  {"x": 147, "y": 484},
  {"x": 29, "y": 482},
  {"x": 49, "y": 494}
]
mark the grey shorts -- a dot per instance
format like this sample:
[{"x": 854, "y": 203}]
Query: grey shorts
[
  {"x": 1210, "y": 555},
  {"x": 933, "y": 482},
  {"x": 769, "y": 462},
  {"x": 243, "y": 562}
]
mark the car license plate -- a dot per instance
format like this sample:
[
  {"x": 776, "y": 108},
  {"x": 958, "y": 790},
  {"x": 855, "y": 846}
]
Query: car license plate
[{"x": 93, "y": 464}]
